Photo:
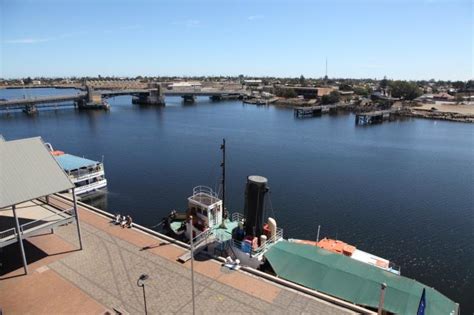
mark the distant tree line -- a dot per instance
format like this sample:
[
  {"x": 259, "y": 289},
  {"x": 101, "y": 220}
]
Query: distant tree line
[
  {"x": 331, "y": 98},
  {"x": 285, "y": 92},
  {"x": 403, "y": 89}
]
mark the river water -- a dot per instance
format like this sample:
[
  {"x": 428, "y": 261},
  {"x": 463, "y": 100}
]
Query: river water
[{"x": 402, "y": 190}]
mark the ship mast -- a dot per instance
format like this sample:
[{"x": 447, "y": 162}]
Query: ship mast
[{"x": 223, "y": 178}]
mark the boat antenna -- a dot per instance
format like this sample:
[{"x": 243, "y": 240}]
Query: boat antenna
[
  {"x": 223, "y": 177},
  {"x": 317, "y": 236}
]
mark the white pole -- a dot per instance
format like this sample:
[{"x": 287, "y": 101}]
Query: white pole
[
  {"x": 192, "y": 261},
  {"x": 317, "y": 236}
]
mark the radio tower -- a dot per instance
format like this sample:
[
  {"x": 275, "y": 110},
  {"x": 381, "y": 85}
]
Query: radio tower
[{"x": 326, "y": 76}]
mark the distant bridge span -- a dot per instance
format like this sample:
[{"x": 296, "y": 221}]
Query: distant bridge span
[
  {"x": 207, "y": 92},
  {"x": 97, "y": 95}
]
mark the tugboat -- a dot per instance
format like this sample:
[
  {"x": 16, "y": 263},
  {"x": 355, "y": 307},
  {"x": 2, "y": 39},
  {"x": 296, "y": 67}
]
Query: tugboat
[{"x": 244, "y": 237}]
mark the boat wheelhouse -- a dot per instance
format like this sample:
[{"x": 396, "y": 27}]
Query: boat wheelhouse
[
  {"x": 87, "y": 175},
  {"x": 205, "y": 209}
]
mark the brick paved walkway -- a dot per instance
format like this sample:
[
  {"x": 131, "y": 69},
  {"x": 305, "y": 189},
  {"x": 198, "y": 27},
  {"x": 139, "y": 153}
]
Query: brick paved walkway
[{"x": 104, "y": 274}]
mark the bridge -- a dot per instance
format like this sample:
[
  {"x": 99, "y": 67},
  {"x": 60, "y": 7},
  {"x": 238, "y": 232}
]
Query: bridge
[{"x": 93, "y": 99}]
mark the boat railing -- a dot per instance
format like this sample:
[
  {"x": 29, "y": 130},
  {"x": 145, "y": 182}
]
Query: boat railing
[
  {"x": 394, "y": 267},
  {"x": 91, "y": 185},
  {"x": 204, "y": 190},
  {"x": 202, "y": 236},
  {"x": 237, "y": 217},
  {"x": 81, "y": 174},
  {"x": 263, "y": 247}
]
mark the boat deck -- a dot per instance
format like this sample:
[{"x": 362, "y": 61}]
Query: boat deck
[
  {"x": 225, "y": 234},
  {"x": 102, "y": 277}
]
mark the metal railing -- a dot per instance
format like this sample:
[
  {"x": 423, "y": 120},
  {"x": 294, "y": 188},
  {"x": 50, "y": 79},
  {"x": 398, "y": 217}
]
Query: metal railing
[
  {"x": 237, "y": 217},
  {"x": 392, "y": 267},
  {"x": 7, "y": 233},
  {"x": 262, "y": 248},
  {"x": 80, "y": 189},
  {"x": 202, "y": 236},
  {"x": 45, "y": 220},
  {"x": 204, "y": 190},
  {"x": 204, "y": 195},
  {"x": 77, "y": 176}
]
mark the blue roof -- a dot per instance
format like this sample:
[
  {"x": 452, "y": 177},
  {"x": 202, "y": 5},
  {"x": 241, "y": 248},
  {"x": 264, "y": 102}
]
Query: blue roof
[{"x": 71, "y": 162}]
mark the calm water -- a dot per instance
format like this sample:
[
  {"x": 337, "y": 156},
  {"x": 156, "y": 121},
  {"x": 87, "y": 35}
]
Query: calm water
[{"x": 401, "y": 190}]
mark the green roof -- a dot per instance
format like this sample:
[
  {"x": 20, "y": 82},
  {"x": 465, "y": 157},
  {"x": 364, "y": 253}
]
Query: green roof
[{"x": 353, "y": 281}]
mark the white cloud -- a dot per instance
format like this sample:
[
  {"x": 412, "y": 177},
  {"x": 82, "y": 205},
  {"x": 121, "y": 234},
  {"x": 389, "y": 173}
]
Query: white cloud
[
  {"x": 371, "y": 66},
  {"x": 192, "y": 23},
  {"x": 27, "y": 40},
  {"x": 255, "y": 17},
  {"x": 32, "y": 40}
]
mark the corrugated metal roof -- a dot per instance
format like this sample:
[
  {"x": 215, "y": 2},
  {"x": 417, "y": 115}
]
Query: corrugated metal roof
[
  {"x": 352, "y": 280},
  {"x": 71, "y": 162},
  {"x": 28, "y": 171}
]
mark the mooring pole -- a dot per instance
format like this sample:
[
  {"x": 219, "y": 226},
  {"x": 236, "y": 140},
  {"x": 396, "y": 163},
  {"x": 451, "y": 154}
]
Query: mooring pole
[{"x": 383, "y": 286}]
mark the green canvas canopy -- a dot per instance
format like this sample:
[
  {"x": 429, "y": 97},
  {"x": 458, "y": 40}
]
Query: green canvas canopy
[{"x": 352, "y": 280}]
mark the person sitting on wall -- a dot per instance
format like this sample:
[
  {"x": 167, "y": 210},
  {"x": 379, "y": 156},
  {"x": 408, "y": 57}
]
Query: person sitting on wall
[
  {"x": 118, "y": 218},
  {"x": 129, "y": 221},
  {"x": 123, "y": 223}
]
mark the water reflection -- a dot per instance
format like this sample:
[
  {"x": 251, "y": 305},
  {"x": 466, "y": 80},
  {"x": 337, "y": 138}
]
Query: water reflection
[{"x": 98, "y": 199}]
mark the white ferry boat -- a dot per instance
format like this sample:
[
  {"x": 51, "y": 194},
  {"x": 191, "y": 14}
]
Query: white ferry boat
[{"x": 87, "y": 175}]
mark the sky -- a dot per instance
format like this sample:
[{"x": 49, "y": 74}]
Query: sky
[{"x": 404, "y": 39}]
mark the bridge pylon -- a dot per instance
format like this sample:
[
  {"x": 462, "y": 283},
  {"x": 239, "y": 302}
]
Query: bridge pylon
[{"x": 153, "y": 97}]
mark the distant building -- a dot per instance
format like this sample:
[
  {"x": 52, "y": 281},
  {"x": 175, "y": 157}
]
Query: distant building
[
  {"x": 325, "y": 90},
  {"x": 425, "y": 98},
  {"x": 443, "y": 97},
  {"x": 310, "y": 92},
  {"x": 253, "y": 82},
  {"x": 36, "y": 82},
  {"x": 184, "y": 86}
]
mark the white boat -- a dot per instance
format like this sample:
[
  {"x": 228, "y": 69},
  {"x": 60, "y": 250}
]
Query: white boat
[
  {"x": 87, "y": 175},
  {"x": 340, "y": 247}
]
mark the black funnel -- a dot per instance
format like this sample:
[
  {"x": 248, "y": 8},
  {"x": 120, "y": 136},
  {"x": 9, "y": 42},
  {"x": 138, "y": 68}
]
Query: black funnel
[{"x": 254, "y": 204}]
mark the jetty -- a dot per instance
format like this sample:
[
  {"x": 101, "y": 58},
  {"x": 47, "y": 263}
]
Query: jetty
[
  {"x": 317, "y": 110},
  {"x": 374, "y": 117}
]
